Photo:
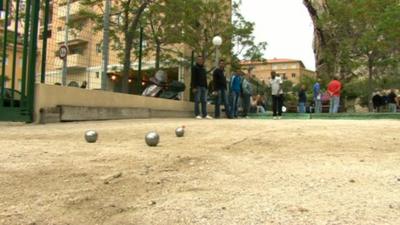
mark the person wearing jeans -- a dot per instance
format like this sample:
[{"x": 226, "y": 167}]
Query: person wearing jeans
[
  {"x": 247, "y": 90},
  {"x": 302, "y": 99},
  {"x": 317, "y": 96},
  {"x": 334, "y": 104},
  {"x": 235, "y": 88},
  {"x": 199, "y": 88},
  {"x": 334, "y": 88},
  {"x": 200, "y": 97},
  {"x": 220, "y": 92},
  {"x": 392, "y": 101}
]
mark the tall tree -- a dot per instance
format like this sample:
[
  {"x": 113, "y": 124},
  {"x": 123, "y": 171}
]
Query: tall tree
[
  {"x": 243, "y": 38},
  {"x": 363, "y": 37},
  {"x": 165, "y": 21},
  {"x": 123, "y": 29}
]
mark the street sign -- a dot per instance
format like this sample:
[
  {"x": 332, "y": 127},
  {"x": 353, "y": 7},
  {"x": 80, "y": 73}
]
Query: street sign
[{"x": 63, "y": 52}]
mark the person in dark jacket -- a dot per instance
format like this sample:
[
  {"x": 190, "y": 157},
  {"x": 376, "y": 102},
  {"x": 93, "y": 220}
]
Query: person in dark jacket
[
  {"x": 392, "y": 101},
  {"x": 220, "y": 90},
  {"x": 377, "y": 101},
  {"x": 302, "y": 99},
  {"x": 199, "y": 88}
]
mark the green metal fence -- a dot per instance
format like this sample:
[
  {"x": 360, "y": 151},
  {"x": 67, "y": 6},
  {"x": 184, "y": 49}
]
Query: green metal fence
[{"x": 19, "y": 22}]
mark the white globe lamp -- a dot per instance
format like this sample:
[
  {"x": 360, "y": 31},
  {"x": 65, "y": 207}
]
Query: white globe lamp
[{"x": 217, "y": 41}]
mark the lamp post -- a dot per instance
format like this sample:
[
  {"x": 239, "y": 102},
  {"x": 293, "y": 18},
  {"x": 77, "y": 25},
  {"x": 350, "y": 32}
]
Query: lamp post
[
  {"x": 138, "y": 83},
  {"x": 106, "y": 42},
  {"x": 217, "y": 42}
]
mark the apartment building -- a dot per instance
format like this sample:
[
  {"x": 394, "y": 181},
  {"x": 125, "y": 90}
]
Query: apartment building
[
  {"x": 289, "y": 69},
  {"x": 84, "y": 60}
]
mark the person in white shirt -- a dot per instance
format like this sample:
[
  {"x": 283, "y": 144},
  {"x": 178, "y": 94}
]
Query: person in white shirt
[{"x": 277, "y": 95}]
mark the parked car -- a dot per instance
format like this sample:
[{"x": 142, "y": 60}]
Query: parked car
[{"x": 8, "y": 97}]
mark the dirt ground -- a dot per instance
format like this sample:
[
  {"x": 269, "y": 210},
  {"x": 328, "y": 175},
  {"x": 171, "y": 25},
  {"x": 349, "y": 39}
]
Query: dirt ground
[{"x": 222, "y": 172}]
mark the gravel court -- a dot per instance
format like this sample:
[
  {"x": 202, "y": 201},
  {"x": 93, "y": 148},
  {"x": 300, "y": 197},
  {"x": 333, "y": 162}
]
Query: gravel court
[{"x": 221, "y": 172}]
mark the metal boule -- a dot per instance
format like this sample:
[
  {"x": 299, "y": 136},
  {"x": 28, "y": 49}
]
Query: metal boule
[
  {"x": 91, "y": 136},
  {"x": 180, "y": 132},
  {"x": 152, "y": 139}
]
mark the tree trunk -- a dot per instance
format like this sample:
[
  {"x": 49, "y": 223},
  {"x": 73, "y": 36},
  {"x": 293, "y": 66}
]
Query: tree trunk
[
  {"x": 315, "y": 8},
  {"x": 130, "y": 28},
  {"x": 370, "y": 75},
  {"x": 127, "y": 63},
  {"x": 158, "y": 55}
]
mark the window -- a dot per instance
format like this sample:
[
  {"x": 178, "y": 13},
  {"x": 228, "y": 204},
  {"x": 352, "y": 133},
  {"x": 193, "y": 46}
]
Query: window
[
  {"x": 284, "y": 66},
  {"x": 97, "y": 74},
  {"x": 284, "y": 76},
  {"x": 76, "y": 50},
  {"x": 293, "y": 66},
  {"x": 6, "y": 61},
  {"x": 98, "y": 47},
  {"x": 293, "y": 75},
  {"x": 59, "y": 29},
  {"x": 274, "y": 67}
]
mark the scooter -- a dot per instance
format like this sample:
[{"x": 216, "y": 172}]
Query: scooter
[{"x": 159, "y": 87}]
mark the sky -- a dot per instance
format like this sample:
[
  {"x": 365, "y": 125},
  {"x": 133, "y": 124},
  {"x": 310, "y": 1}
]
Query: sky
[{"x": 285, "y": 25}]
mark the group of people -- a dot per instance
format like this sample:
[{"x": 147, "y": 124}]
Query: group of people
[
  {"x": 389, "y": 100},
  {"x": 334, "y": 89},
  {"x": 236, "y": 92}
]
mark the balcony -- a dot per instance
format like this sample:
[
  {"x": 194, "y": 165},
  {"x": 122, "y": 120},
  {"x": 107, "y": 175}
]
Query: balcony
[
  {"x": 75, "y": 7},
  {"x": 73, "y": 37},
  {"x": 74, "y": 61}
]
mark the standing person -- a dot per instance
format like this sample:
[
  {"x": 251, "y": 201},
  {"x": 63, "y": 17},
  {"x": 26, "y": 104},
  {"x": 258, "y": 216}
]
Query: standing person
[
  {"x": 392, "y": 101},
  {"x": 334, "y": 88},
  {"x": 84, "y": 84},
  {"x": 220, "y": 89},
  {"x": 235, "y": 88},
  {"x": 377, "y": 101},
  {"x": 199, "y": 88},
  {"x": 302, "y": 99},
  {"x": 277, "y": 95},
  {"x": 317, "y": 96},
  {"x": 247, "y": 91}
]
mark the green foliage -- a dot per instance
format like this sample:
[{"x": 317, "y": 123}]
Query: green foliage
[
  {"x": 362, "y": 38},
  {"x": 287, "y": 86},
  {"x": 246, "y": 47},
  {"x": 169, "y": 23},
  {"x": 124, "y": 21}
]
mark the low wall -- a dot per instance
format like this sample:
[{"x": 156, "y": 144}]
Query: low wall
[{"x": 109, "y": 105}]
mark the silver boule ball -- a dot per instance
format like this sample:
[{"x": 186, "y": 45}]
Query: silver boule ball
[
  {"x": 152, "y": 139},
  {"x": 180, "y": 132},
  {"x": 91, "y": 136}
]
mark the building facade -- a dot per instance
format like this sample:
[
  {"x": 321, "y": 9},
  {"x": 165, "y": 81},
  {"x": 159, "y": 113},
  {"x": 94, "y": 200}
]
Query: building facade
[
  {"x": 85, "y": 51},
  {"x": 289, "y": 69},
  {"x": 85, "y": 45}
]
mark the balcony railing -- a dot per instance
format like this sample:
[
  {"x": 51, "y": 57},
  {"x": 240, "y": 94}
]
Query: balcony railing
[
  {"x": 74, "y": 61},
  {"x": 73, "y": 37},
  {"x": 75, "y": 7}
]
